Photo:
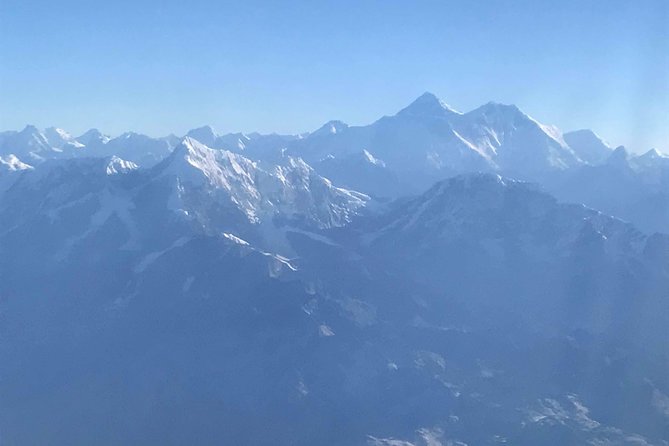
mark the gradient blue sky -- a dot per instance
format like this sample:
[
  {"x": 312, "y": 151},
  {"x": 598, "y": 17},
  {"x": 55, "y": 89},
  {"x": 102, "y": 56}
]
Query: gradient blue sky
[{"x": 159, "y": 66}]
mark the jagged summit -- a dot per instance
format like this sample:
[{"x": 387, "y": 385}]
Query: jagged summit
[
  {"x": 205, "y": 134},
  {"x": 254, "y": 280},
  {"x": 193, "y": 161},
  {"x": 291, "y": 188},
  {"x": 190, "y": 144},
  {"x": 117, "y": 165}
]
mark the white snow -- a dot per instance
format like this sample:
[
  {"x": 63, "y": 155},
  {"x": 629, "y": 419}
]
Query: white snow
[
  {"x": 12, "y": 163},
  {"x": 152, "y": 257},
  {"x": 291, "y": 188},
  {"x": 117, "y": 165},
  {"x": 235, "y": 239},
  {"x": 373, "y": 160}
]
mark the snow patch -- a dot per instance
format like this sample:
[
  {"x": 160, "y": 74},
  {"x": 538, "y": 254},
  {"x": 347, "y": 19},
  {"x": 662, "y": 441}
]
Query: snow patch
[{"x": 152, "y": 257}]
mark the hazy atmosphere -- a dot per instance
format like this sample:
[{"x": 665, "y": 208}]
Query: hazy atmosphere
[
  {"x": 334, "y": 223},
  {"x": 288, "y": 67}
]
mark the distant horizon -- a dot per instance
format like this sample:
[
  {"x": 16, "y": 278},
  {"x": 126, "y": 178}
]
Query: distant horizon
[
  {"x": 183, "y": 133},
  {"x": 287, "y": 68}
]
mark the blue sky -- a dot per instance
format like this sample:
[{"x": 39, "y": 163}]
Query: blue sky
[{"x": 159, "y": 66}]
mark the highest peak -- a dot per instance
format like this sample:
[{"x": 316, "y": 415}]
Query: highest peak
[{"x": 427, "y": 104}]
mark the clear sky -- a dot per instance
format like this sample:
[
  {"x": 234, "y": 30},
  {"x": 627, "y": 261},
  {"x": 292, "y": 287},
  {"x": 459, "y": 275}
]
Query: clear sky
[{"x": 288, "y": 66}]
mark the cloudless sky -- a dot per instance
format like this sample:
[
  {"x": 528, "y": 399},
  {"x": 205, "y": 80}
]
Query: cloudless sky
[{"x": 288, "y": 66}]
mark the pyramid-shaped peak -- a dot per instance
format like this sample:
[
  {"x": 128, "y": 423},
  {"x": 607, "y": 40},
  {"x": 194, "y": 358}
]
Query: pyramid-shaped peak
[
  {"x": 427, "y": 104},
  {"x": 90, "y": 133},
  {"x": 30, "y": 129},
  {"x": 191, "y": 161},
  {"x": 331, "y": 128},
  {"x": 91, "y": 136},
  {"x": 427, "y": 98},
  {"x": 32, "y": 135}
]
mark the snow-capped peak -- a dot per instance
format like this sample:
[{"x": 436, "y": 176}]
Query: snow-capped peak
[
  {"x": 92, "y": 136},
  {"x": 292, "y": 189},
  {"x": 57, "y": 137},
  {"x": 427, "y": 104},
  {"x": 331, "y": 128},
  {"x": 117, "y": 165},
  {"x": 195, "y": 162}
]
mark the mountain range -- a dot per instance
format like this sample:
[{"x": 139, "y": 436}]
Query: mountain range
[
  {"x": 406, "y": 153},
  {"x": 433, "y": 278}
]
